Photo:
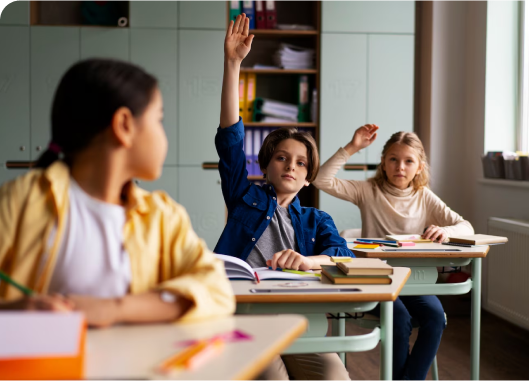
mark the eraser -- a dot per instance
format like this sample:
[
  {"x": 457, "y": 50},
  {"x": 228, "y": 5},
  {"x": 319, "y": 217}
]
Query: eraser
[{"x": 406, "y": 243}]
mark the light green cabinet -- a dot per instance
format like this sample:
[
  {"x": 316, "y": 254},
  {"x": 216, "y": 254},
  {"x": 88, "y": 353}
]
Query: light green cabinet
[
  {"x": 343, "y": 92},
  {"x": 199, "y": 191},
  {"x": 154, "y": 14},
  {"x": 15, "y": 13},
  {"x": 156, "y": 51},
  {"x": 14, "y": 94},
  {"x": 390, "y": 88},
  {"x": 368, "y": 16},
  {"x": 105, "y": 43},
  {"x": 200, "y": 82},
  {"x": 9, "y": 174},
  {"x": 166, "y": 182},
  {"x": 53, "y": 51},
  {"x": 345, "y": 214},
  {"x": 202, "y": 15}
]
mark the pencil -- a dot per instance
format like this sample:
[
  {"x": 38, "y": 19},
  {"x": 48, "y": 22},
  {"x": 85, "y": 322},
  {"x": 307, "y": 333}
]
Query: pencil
[{"x": 21, "y": 288}]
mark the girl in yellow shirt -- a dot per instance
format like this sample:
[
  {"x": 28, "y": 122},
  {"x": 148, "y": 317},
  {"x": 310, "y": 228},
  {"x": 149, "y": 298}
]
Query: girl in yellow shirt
[{"x": 82, "y": 235}]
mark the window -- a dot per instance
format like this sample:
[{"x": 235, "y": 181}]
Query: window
[{"x": 523, "y": 121}]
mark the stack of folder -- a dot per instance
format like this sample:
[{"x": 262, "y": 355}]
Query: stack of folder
[
  {"x": 294, "y": 57},
  {"x": 359, "y": 271}
]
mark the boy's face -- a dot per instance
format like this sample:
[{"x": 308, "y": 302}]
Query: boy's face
[{"x": 287, "y": 171}]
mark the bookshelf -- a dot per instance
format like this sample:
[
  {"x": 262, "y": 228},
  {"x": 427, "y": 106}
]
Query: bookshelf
[
  {"x": 283, "y": 84},
  {"x": 79, "y": 13}
]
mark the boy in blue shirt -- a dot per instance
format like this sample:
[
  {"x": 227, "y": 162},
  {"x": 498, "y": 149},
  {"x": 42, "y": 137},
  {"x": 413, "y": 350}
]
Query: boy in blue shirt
[{"x": 266, "y": 225}]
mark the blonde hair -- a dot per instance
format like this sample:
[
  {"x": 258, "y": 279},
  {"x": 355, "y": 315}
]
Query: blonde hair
[{"x": 411, "y": 140}]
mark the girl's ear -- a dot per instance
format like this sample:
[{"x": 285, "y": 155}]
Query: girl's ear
[
  {"x": 421, "y": 167},
  {"x": 123, "y": 127}
]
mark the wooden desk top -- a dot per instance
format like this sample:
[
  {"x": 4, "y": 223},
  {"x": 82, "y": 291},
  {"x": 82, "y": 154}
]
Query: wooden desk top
[
  {"x": 368, "y": 293},
  {"x": 132, "y": 352},
  {"x": 465, "y": 252}
]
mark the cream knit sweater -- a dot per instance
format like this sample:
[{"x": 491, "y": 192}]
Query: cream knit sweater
[{"x": 390, "y": 210}]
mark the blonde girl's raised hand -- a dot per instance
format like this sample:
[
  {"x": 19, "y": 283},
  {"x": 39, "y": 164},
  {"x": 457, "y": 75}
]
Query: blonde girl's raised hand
[
  {"x": 238, "y": 43},
  {"x": 362, "y": 138}
]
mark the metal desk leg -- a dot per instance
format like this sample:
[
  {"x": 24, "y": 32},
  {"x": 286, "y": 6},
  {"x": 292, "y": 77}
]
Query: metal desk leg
[
  {"x": 475, "y": 319},
  {"x": 338, "y": 329},
  {"x": 386, "y": 340}
]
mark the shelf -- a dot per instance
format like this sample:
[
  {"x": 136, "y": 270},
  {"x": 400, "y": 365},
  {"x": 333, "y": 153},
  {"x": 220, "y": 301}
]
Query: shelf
[
  {"x": 283, "y": 33},
  {"x": 504, "y": 182},
  {"x": 261, "y": 124},
  {"x": 279, "y": 71}
]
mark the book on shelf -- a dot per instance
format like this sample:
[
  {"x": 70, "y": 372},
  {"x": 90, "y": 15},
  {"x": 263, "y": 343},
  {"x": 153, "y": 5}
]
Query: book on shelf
[
  {"x": 478, "y": 239},
  {"x": 365, "y": 266},
  {"x": 417, "y": 238},
  {"x": 303, "y": 99},
  {"x": 237, "y": 269},
  {"x": 335, "y": 275}
]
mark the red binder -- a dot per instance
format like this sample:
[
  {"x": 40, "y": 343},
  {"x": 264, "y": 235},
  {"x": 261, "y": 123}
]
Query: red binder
[
  {"x": 270, "y": 12},
  {"x": 260, "y": 16}
]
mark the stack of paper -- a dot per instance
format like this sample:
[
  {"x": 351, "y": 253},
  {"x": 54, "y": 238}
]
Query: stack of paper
[
  {"x": 294, "y": 57},
  {"x": 270, "y": 111}
]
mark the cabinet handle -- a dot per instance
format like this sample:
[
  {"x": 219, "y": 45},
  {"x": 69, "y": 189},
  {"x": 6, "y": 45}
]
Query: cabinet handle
[
  {"x": 22, "y": 148},
  {"x": 20, "y": 164},
  {"x": 38, "y": 148},
  {"x": 360, "y": 167}
]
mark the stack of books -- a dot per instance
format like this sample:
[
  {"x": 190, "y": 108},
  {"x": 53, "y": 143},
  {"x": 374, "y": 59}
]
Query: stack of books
[
  {"x": 294, "y": 57},
  {"x": 359, "y": 271}
]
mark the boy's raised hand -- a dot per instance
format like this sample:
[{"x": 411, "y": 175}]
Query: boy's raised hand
[
  {"x": 362, "y": 138},
  {"x": 238, "y": 43}
]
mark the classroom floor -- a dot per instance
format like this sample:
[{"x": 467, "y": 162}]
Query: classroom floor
[{"x": 504, "y": 348}]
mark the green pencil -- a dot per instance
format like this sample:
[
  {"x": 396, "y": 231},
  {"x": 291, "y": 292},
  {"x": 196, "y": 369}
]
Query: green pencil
[{"x": 7, "y": 279}]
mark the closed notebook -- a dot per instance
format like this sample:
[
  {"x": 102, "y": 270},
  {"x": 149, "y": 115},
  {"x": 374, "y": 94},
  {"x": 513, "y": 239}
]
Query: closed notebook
[
  {"x": 478, "y": 239},
  {"x": 365, "y": 266},
  {"x": 336, "y": 276},
  {"x": 408, "y": 238},
  {"x": 237, "y": 269}
]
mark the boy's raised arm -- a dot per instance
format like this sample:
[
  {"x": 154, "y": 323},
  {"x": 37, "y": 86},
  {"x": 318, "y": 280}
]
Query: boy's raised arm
[{"x": 237, "y": 45}]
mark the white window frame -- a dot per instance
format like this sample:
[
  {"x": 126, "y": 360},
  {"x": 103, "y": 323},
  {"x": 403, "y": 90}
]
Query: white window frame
[{"x": 522, "y": 136}]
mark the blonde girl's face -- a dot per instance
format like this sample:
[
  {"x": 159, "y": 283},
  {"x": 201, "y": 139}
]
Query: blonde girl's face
[
  {"x": 401, "y": 165},
  {"x": 150, "y": 142}
]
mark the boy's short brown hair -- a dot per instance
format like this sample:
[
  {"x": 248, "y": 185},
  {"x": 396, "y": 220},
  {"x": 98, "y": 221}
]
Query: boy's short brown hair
[{"x": 275, "y": 137}]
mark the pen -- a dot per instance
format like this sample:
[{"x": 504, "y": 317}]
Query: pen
[
  {"x": 456, "y": 244},
  {"x": 21, "y": 288},
  {"x": 375, "y": 240},
  {"x": 257, "y": 277}
]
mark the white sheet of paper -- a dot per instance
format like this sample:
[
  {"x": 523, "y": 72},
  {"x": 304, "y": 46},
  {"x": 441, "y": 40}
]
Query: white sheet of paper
[{"x": 39, "y": 334}]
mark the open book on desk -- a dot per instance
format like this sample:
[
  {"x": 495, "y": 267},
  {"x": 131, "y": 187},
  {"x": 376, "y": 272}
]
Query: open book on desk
[{"x": 237, "y": 269}]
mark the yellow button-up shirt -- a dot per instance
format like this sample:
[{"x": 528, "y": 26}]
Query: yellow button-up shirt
[{"x": 165, "y": 253}]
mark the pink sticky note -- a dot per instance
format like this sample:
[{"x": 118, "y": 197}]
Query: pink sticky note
[
  {"x": 406, "y": 243},
  {"x": 228, "y": 337}
]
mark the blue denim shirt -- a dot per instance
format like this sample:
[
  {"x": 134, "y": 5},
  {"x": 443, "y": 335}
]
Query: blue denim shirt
[{"x": 251, "y": 207}]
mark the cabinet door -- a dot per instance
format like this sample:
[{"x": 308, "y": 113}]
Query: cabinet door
[
  {"x": 167, "y": 182},
  {"x": 156, "y": 51},
  {"x": 14, "y": 93},
  {"x": 53, "y": 51},
  {"x": 345, "y": 214},
  {"x": 200, "y": 69},
  {"x": 9, "y": 174},
  {"x": 343, "y": 92},
  {"x": 15, "y": 13},
  {"x": 368, "y": 16},
  {"x": 202, "y": 15},
  {"x": 154, "y": 14},
  {"x": 390, "y": 100},
  {"x": 105, "y": 43},
  {"x": 200, "y": 193}
]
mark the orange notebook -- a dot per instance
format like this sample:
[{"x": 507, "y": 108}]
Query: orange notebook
[{"x": 42, "y": 345}]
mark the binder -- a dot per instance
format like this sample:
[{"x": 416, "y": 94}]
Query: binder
[
  {"x": 248, "y": 145},
  {"x": 264, "y": 134},
  {"x": 260, "y": 17},
  {"x": 256, "y": 148},
  {"x": 303, "y": 99},
  {"x": 270, "y": 12},
  {"x": 251, "y": 84},
  {"x": 235, "y": 9},
  {"x": 248, "y": 9},
  {"x": 242, "y": 96}
]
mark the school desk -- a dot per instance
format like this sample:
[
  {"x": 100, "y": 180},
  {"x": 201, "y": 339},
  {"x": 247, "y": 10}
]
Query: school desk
[
  {"x": 285, "y": 299},
  {"x": 424, "y": 274},
  {"x": 133, "y": 351}
]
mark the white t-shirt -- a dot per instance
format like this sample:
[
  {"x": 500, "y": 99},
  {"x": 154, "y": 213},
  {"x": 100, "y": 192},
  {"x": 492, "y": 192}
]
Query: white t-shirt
[{"x": 91, "y": 259}]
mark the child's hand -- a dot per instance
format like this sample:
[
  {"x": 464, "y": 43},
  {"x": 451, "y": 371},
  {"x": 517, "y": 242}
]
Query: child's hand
[
  {"x": 362, "y": 138},
  {"x": 98, "y": 312},
  {"x": 435, "y": 233},
  {"x": 56, "y": 303},
  {"x": 289, "y": 259},
  {"x": 237, "y": 44}
]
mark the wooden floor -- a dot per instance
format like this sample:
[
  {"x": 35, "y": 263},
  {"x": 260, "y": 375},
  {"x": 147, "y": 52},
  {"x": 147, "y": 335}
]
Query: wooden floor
[{"x": 504, "y": 348}]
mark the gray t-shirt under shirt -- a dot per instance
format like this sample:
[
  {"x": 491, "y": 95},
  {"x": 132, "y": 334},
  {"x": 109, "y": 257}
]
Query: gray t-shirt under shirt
[{"x": 279, "y": 235}]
